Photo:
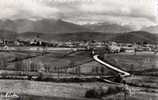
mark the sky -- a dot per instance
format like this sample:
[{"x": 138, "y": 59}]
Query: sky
[{"x": 137, "y": 13}]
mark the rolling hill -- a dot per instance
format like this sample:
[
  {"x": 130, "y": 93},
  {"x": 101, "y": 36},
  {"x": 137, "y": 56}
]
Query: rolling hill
[
  {"x": 77, "y": 36},
  {"x": 41, "y": 26},
  {"x": 47, "y": 29},
  {"x": 108, "y": 28},
  {"x": 152, "y": 29},
  {"x": 135, "y": 36},
  {"x": 9, "y": 35},
  {"x": 52, "y": 26},
  {"x": 129, "y": 37}
]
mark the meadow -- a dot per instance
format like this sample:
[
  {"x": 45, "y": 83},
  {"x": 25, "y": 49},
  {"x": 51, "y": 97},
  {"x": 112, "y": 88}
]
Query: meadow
[{"x": 83, "y": 64}]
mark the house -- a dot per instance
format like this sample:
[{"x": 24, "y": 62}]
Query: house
[
  {"x": 5, "y": 47},
  {"x": 129, "y": 50},
  {"x": 114, "y": 47}
]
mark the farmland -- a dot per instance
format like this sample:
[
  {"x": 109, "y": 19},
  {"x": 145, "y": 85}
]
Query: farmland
[
  {"x": 146, "y": 64},
  {"x": 73, "y": 62},
  {"x": 134, "y": 63}
]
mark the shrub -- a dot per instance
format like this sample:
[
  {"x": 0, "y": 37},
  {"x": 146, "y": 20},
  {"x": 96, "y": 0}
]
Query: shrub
[
  {"x": 92, "y": 93},
  {"x": 114, "y": 89},
  {"x": 98, "y": 93}
]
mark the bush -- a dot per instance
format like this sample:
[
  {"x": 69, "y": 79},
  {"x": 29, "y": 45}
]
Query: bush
[
  {"x": 113, "y": 90},
  {"x": 93, "y": 93},
  {"x": 98, "y": 93}
]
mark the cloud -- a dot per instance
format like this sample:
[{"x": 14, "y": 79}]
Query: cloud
[
  {"x": 136, "y": 12},
  {"x": 14, "y": 9},
  {"x": 131, "y": 8}
]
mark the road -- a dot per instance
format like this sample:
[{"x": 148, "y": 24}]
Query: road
[{"x": 125, "y": 74}]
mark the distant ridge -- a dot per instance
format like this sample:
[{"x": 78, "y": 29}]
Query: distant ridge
[
  {"x": 41, "y": 26},
  {"x": 108, "y": 28},
  {"x": 52, "y": 26},
  {"x": 130, "y": 37},
  {"x": 49, "y": 29},
  {"x": 135, "y": 37},
  {"x": 152, "y": 29},
  {"x": 8, "y": 35}
]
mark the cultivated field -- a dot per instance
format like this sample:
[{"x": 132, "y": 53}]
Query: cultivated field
[
  {"x": 134, "y": 63},
  {"x": 144, "y": 67}
]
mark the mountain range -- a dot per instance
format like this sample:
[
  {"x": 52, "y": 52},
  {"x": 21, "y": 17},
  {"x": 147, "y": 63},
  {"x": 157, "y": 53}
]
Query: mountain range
[
  {"x": 41, "y": 26},
  {"x": 152, "y": 29},
  {"x": 60, "y": 26},
  {"x": 108, "y": 28},
  {"x": 129, "y": 37},
  {"x": 61, "y": 30}
]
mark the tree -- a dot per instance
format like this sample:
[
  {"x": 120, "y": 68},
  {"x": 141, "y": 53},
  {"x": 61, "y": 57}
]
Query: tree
[
  {"x": 3, "y": 63},
  {"x": 65, "y": 69},
  {"x": 19, "y": 66},
  {"x": 72, "y": 65},
  {"x": 93, "y": 70},
  {"x": 79, "y": 71},
  {"x": 33, "y": 67},
  {"x": 47, "y": 68},
  {"x": 131, "y": 68},
  {"x": 97, "y": 70},
  {"x": 102, "y": 70}
]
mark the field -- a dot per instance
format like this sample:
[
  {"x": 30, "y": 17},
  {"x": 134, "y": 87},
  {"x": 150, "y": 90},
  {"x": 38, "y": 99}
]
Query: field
[
  {"x": 144, "y": 68},
  {"x": 30, "y": 90},
  {"x": 53, "y": 61},
  {"x": 138, "y": 64}
]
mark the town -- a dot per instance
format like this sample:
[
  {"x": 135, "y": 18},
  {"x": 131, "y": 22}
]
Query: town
[{"x": 42, "y": 45}]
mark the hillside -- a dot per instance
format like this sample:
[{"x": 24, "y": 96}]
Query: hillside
[
  {"x": 152, "y": 29},
  {"x": 41, "y": 26},
  {"x": 10, "y": 35},
  {"x": 77, "y": 36},
  {"x": 108, "y": 28},
  {"x": 52, "y": 26},
  {"x": 136, "y": 36},
  {"x": 130, "y": 37}
]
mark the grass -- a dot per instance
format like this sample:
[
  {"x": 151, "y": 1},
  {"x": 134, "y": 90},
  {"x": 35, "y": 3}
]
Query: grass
[
  {"x": 134, "y": 63},
  {"x": 138, "y": 96},
  {"x": 50, "y": 89},
  {"x": 143, "y": 81},
  {"x": 143, "y": 66},
  {"x": 146, "y": 64}
]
